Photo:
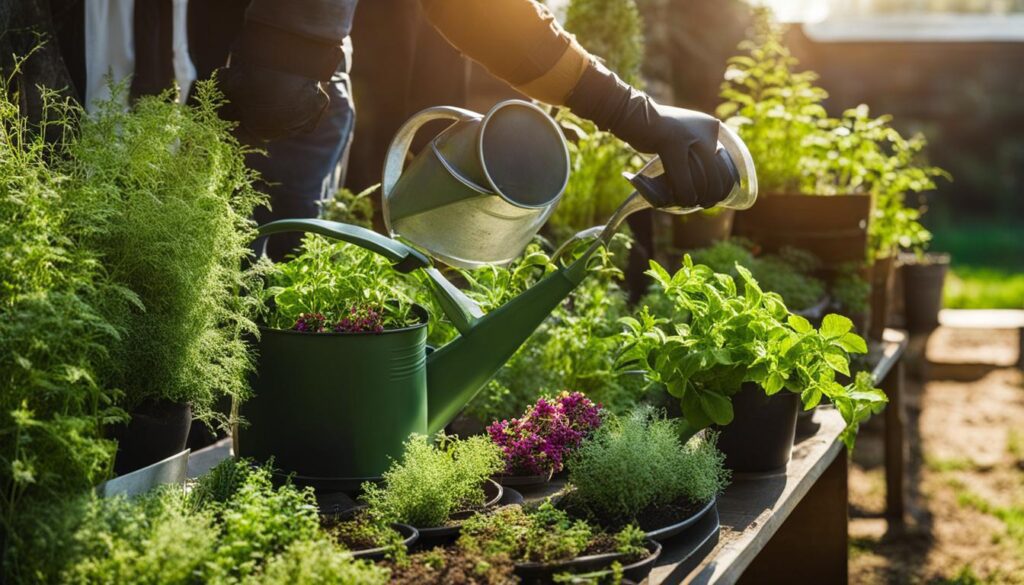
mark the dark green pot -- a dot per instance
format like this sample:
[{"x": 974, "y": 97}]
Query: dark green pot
[{"x": 336, "y": 405}]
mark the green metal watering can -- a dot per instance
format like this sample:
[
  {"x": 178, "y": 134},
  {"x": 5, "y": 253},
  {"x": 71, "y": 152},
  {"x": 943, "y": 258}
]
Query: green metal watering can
[{"x": 334, "y": 408}]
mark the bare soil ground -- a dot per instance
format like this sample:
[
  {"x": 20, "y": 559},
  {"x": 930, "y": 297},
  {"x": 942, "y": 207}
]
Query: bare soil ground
[{"x": 965, "y": 425}]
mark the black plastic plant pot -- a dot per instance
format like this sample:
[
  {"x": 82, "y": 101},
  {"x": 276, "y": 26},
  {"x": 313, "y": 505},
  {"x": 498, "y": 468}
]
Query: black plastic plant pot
[
  {"x": 805, "y": 423},
  {"x": 523, "y": 481},
  {"x": 157, "y": 430},
  {"x": 590, "y": 566},
  {"x": 923, "y": 282},
  {"x": 760, "y": 437},
  {"x": 666, "y": 532},
  {"x": 433, "y": 536},
  {"x": 409, "y": 537},
  {"x": 335, "y": 406}
]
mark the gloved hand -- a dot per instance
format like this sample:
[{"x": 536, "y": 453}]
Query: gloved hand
[
  {"x": 273, "y": 82},
  {"x": 685, "y": 140}
]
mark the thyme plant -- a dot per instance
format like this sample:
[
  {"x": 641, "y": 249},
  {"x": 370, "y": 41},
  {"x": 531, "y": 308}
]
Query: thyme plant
[
  {"x": 430, "y": 482},
  {"x": 638, "y": 462}
]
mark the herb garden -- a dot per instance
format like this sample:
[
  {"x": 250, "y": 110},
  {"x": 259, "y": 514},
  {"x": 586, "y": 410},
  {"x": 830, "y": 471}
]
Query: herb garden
[{"x": 382, "y": 413}]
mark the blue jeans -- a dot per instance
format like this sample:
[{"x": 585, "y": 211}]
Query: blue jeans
[{"x": 300, "y": 171}]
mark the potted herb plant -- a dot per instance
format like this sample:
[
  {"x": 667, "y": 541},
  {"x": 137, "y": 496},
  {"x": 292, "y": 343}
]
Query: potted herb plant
[
  {"x": 741, "y": 361},
  {"x": 789, "y": 272},
  {"x": 537, "y": 444},
  {"x": 635, "y": 470},
  {"x": 368, "y": 538},
  {"x": 170, "y": 195},
  {"x": 545, "y": 542},
  {"x": 860, "y": 167},
  {"x": 434, "y": 488}
]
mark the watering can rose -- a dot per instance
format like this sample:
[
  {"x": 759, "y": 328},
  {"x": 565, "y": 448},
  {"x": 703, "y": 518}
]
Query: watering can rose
[{"x": 540, "y": 440}]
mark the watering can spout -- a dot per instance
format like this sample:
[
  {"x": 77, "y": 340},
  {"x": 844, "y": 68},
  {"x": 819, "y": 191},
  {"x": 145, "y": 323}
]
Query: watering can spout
[{"x": 457, "y": 371}]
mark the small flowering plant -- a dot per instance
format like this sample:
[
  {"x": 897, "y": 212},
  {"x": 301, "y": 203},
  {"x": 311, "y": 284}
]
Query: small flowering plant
[
  {"x": 359, "y": 319},
  {"x": 539, "y": 441}
]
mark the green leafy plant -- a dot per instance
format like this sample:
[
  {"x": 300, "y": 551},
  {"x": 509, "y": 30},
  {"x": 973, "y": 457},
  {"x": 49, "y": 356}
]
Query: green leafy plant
[
  {"x": 726, "y": 338},
  {"x": 365, "y": 532},
  {"x": 174, "y": 197},
  {"x": 779, "y": 114},
  {"x": 787, "y": 273},
  {"x": 851, "y": 292},
  {"x": 570, "y": 350},
  {"x": 431, "y": 482},
  {"x": 543, "y": 535},
  {"x": 612, "y": 30},
  {"x": 773, "y": 107},
  {"x": 351, "y": 208},
  {"x": 55, "y": 333},
  {"x": 636, "y": 464},
  {"x": 243, "y": 530},
  {"x": 596, "y": 187},
  {"x": 452, "y": 565}
]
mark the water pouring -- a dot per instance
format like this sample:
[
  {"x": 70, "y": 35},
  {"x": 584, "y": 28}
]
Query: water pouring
[{"x": 334, "y": 407}]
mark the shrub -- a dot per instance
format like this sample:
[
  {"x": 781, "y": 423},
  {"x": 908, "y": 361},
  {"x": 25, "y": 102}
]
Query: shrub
[
  {"x": 540, "y": 440},
  {"x": 54, "y": 334},
  {"x": 729, "y": 338},
  {"x": 637, "y": 462},
  {"x": 170, "y": 185},
  {"x": 430, "y": 483}
]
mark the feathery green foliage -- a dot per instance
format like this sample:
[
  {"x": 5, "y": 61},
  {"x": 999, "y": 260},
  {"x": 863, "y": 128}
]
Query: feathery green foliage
[
  {"x": 431, "y": 482},
  {"x": 175, "y": 196},
  {"x": 637, "y": 462},
  {"x": 256, "y": 534},
  {"x": 54, "y": 333}
]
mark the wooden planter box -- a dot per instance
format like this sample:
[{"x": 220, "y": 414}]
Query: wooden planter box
[{"x": 834, "y": 228}]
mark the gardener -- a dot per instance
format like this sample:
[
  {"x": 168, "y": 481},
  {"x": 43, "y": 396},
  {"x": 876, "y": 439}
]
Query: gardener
[{"x": 288, "y": 89}]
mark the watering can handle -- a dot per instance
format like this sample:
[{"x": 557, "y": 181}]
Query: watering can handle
[
  {"x": 462, "y": 311},
  {"x": 400, "y": 144}
]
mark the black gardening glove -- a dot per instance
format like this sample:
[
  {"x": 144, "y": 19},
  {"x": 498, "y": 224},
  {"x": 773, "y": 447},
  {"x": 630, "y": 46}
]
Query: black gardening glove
[
  {"x": 273, "y": 82},
  {"x": 685, "y": 140}
]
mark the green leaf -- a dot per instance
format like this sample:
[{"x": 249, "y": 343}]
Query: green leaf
[
  {"x": 838, "y": 362},
  {"x": 693, "y": 410},
  {"x": 799, "y": 324},
  {"x": 835, "y": 326},
  {"x": 716, "y": 406},
  {"x": 774, "y": 383},
  {"x": 853, "y": 343}
]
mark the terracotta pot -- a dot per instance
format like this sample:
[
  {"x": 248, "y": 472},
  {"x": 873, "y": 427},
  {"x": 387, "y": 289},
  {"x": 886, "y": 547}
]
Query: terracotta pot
[{"x": 833, "y": 228}]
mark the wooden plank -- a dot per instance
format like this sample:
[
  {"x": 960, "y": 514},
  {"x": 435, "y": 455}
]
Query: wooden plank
[
  {"x": 753, "y": 508},
  {"x": 982, "y": 318},
  {"x": 895, "y": 447}
]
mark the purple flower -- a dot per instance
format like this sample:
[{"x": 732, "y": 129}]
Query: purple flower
[
  {"x": 539, "y": 441},
  {"x": 310, "y": 323}
]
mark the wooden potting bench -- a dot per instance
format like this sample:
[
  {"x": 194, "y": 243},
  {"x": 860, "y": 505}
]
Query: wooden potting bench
[
  {"x": 792, "y": 527},
  {"x": 783, "y": 528}
]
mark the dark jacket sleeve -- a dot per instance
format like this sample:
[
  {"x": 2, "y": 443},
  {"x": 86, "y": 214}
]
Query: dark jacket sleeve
[{"x": 517, "y": 40}]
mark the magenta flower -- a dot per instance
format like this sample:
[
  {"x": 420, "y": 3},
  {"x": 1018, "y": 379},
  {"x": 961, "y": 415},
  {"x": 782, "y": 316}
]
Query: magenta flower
[
  {"x": 539, "y": 441},
  {"x": 310, "y": 323}
]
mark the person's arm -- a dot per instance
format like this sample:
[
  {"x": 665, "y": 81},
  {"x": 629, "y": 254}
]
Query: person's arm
[
  {"x": 518, "y": 41},
  {"x": 521, "y": 42}
]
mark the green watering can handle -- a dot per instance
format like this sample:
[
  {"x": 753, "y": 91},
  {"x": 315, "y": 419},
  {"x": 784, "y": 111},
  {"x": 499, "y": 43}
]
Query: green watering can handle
[{"x": 462, "y": 311}]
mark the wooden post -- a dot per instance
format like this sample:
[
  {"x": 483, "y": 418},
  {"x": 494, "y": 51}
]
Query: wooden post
[
  {"x": 894, "y": 446},
  {"x": 812, "y": 546}
]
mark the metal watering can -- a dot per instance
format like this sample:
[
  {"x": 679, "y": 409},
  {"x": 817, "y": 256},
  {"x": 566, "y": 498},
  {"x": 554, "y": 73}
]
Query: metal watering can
[{"x": 334, "y": 408}]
